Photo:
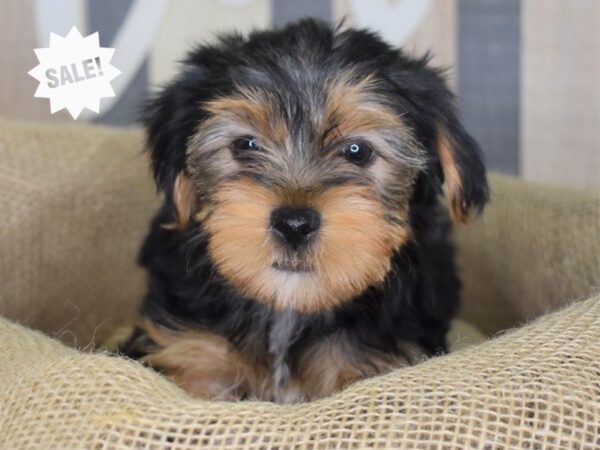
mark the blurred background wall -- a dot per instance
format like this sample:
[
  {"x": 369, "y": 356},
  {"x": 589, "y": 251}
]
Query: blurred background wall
[{"x": 527, "y": 72}]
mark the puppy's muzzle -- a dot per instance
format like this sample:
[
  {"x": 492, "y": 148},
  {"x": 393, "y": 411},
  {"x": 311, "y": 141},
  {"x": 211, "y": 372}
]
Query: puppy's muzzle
[{"x": 295, "y": 227}]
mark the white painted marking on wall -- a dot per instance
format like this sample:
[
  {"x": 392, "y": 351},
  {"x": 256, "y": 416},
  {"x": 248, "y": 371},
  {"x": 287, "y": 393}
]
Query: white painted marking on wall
[{"x": 395, "y": 21}]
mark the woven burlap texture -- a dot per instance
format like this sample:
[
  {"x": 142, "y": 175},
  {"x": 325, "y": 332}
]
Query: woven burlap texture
[
  {"x": 537, "y": 387},
  {"x": 75, "y": 203},
  {"x": 536, "y": 248}
]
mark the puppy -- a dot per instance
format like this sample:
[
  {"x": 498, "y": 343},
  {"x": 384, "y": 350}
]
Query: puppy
[{"x": 310, "y": 177}]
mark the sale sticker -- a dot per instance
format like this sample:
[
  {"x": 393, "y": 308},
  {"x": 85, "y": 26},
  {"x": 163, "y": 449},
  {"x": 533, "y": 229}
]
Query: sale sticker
[{"x": 74, "y": 72}]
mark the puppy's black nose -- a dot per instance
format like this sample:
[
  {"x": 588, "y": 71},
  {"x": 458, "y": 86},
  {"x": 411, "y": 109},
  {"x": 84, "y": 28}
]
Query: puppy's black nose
[{"x": 295, "y": 226}]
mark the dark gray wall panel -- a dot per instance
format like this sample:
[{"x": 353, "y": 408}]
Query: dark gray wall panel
[
  {"x": 489, "y": 78},
  {"x": 288, "y": 10}
]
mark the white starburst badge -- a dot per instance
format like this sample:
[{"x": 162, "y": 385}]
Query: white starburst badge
[{"x": 74, "y": 72}]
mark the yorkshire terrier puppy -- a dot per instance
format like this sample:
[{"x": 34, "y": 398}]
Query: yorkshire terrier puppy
[{"x": 310, "y": 177}]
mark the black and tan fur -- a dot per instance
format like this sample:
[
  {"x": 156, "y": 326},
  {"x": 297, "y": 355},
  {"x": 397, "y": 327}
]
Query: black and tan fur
[{"x": 232, "y": 312}]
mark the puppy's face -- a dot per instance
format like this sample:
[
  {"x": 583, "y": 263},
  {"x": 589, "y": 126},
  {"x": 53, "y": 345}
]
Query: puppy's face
[
  {"x": 304, "y": 195},
  {"x": 301, "y": 170}
]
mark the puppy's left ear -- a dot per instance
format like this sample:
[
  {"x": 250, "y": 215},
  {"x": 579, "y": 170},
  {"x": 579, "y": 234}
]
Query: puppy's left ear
[
  {"x": 464, "y": 180},
  {"x": 455, "y": 154}
]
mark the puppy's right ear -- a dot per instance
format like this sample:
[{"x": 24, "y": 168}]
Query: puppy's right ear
[
  {"x": 184, "y": 201},
  {"x": 171, "y": 119}
]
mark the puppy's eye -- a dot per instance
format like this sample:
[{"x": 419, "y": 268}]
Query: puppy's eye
[
  {"x": 246, "y": 143},
  {"x": 358, "y": 153}
]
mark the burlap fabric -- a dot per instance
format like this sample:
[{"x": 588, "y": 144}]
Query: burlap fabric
[
  {"x": 75, "y": 204},
  {"x": 535, "y": 249},
  {"x": 537, "y": 387}
]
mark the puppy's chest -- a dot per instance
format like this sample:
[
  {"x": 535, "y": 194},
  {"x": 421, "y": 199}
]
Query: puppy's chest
[{"x": 277, "y": 363}]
